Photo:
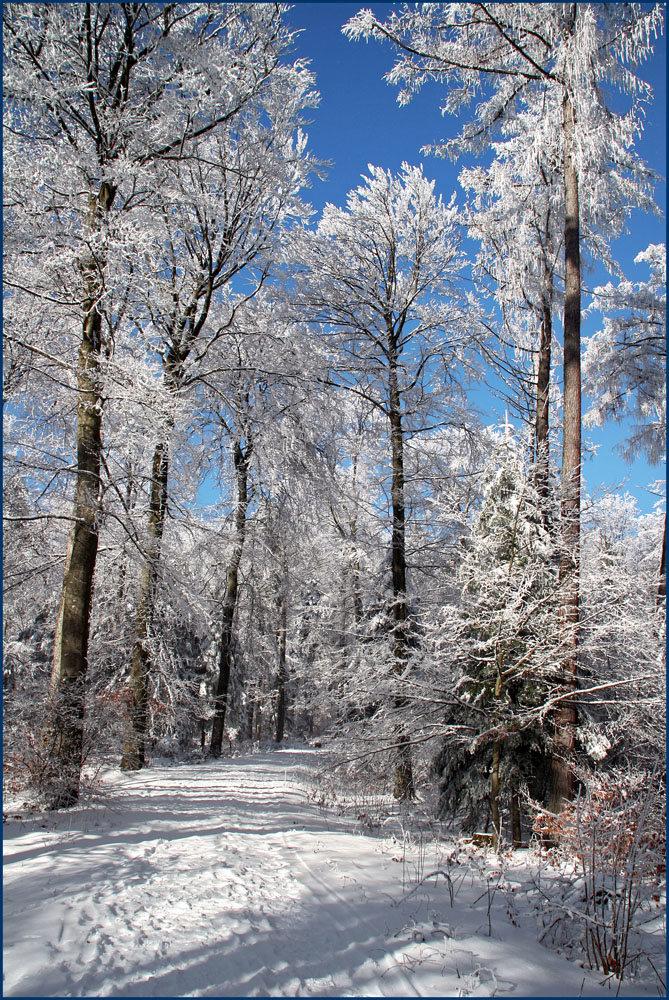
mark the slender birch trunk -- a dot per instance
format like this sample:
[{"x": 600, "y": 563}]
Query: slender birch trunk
[{"x": 63, "y": 729}]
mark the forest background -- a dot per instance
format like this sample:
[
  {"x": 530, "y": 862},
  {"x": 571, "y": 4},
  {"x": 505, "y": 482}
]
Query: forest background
[{"x": 275, "y": 470}]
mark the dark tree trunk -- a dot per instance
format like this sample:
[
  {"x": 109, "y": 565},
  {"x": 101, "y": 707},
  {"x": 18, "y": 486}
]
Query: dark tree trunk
[
  {"x": 543, "y": 388},
  {"x": 241, "y": 461},
  {"x": 63, "y": 728},
  {"x": 124, "y": 554},
  {"x": 404, "y": 783},
  {"x": 355, "y": 562},
  {"x": 250, "y": 708},
  {"x": 494, "y": 794},
  {"x": 357, "y": 596},
  {"x": 224, "y": 663},
  {"x": 516, "y": 829},
  {"x": 562, "y": 779},
  {"x": 354, "y": 574},
  {"x": 282, "y": 674},
  {"x": 134, "y": 743},
  {"x": 662, "y": 586}
]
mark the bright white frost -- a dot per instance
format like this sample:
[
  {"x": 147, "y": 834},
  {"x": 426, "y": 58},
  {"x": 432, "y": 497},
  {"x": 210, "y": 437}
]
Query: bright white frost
[
  {"x": 230, "y": 880},
  {"x": 382, "y": 270},
  {"x": 518, "y": 62},
  {"x": 624, "y": 365}
]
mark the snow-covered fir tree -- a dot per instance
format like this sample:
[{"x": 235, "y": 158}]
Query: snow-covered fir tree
[{"x": 501, "y": 651}]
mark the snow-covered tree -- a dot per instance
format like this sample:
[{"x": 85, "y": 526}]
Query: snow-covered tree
[
  {"x": 513, "y": 211},
  {"x": 241, "y": 409},
  {"x": 107, "y": 103},
  {"x": 380, "y": 276},
  {"x": 624, "y": 365},
  {"x": 563, "y": 55},
  {"x": 500, "y": 650},
  {"x": 221, "y": 213},
  {"x": 623, "y": 635}
]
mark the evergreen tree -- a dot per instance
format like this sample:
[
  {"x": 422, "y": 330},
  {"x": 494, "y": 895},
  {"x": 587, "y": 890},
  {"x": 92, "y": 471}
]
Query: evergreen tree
[
  {"x": 561, "y": 56},
  {"x": 505, "y": 646}
]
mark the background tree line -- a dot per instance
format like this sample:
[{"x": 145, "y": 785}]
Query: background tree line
[{"x": 369, "y": 557}]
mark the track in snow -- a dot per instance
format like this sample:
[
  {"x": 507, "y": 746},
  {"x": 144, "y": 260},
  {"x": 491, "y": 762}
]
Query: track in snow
[{"x": 222, "y": 879}]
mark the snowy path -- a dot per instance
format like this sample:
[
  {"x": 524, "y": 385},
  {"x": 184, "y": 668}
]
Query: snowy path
[{"x": 223, "y": 879}]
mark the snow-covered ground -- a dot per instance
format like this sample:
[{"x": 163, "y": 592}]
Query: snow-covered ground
[{"x": 226, "y": 879}]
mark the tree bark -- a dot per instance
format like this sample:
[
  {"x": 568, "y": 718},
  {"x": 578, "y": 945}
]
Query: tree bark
[
  {"x": 516, "y": 828},
  {"x": 404, "y": 783},
  {"x": 241, "y": 460},
  {"x": 250, "y": 709},
  {"x": 562, "y": 779},
  {"x": 494, "y": 794},
  {"x": 282, "y": 674},
  {"x": 134, "y": 744},
  {"x": 662, "y": 586},
  {"x": 543, "y": 388},
  {"x": 355, "y": 561},
  {"x": 63, "y": 730}
]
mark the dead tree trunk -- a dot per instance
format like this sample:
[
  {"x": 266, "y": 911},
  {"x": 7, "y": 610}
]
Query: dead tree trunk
[
  {"x": 63, "y": 729},
  {"x": 241, "y": 458},
  {"x": 562, "y": 779}
]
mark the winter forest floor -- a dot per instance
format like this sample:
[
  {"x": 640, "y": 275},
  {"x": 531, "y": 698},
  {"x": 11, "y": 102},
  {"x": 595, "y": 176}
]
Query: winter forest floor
[{"x": 227, "y": 878}]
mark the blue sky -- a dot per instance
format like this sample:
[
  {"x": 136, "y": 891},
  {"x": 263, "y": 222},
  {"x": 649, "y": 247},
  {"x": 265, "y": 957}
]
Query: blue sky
[{"x": 359, "y": 121}]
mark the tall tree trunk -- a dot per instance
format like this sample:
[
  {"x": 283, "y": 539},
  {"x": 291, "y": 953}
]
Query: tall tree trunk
[
  {"x": 241, "y": 460},
  {"x": 134, "y": 744},
  {"x": 496, "y": 757},
  {"x": 250, "y": 709},
  {"x": 224, "y": 662},
  {"x": 516, "y": 828},
  {"x": 494, "y": 794},
  {"x": 259, "y": 713},
  {"x": 404, "y": 783},
  {"x": 282, "y": 674},
  {"x": 355, "y": 561},
  {"x": 543, "y": 388},
  {"x": 123, "y": 570},
  {"x": 357, "y": 596},
  {"x": 662, "y": 586},
  {"x": 63, "y": 729},
  {"x": 562, "y": 779}
]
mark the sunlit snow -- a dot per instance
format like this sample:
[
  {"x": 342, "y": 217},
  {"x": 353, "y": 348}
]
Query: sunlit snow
[{"x": 226, "y": 878}]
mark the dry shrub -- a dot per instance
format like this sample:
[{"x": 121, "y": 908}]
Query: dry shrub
[{"x": 615, "y": 833}]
